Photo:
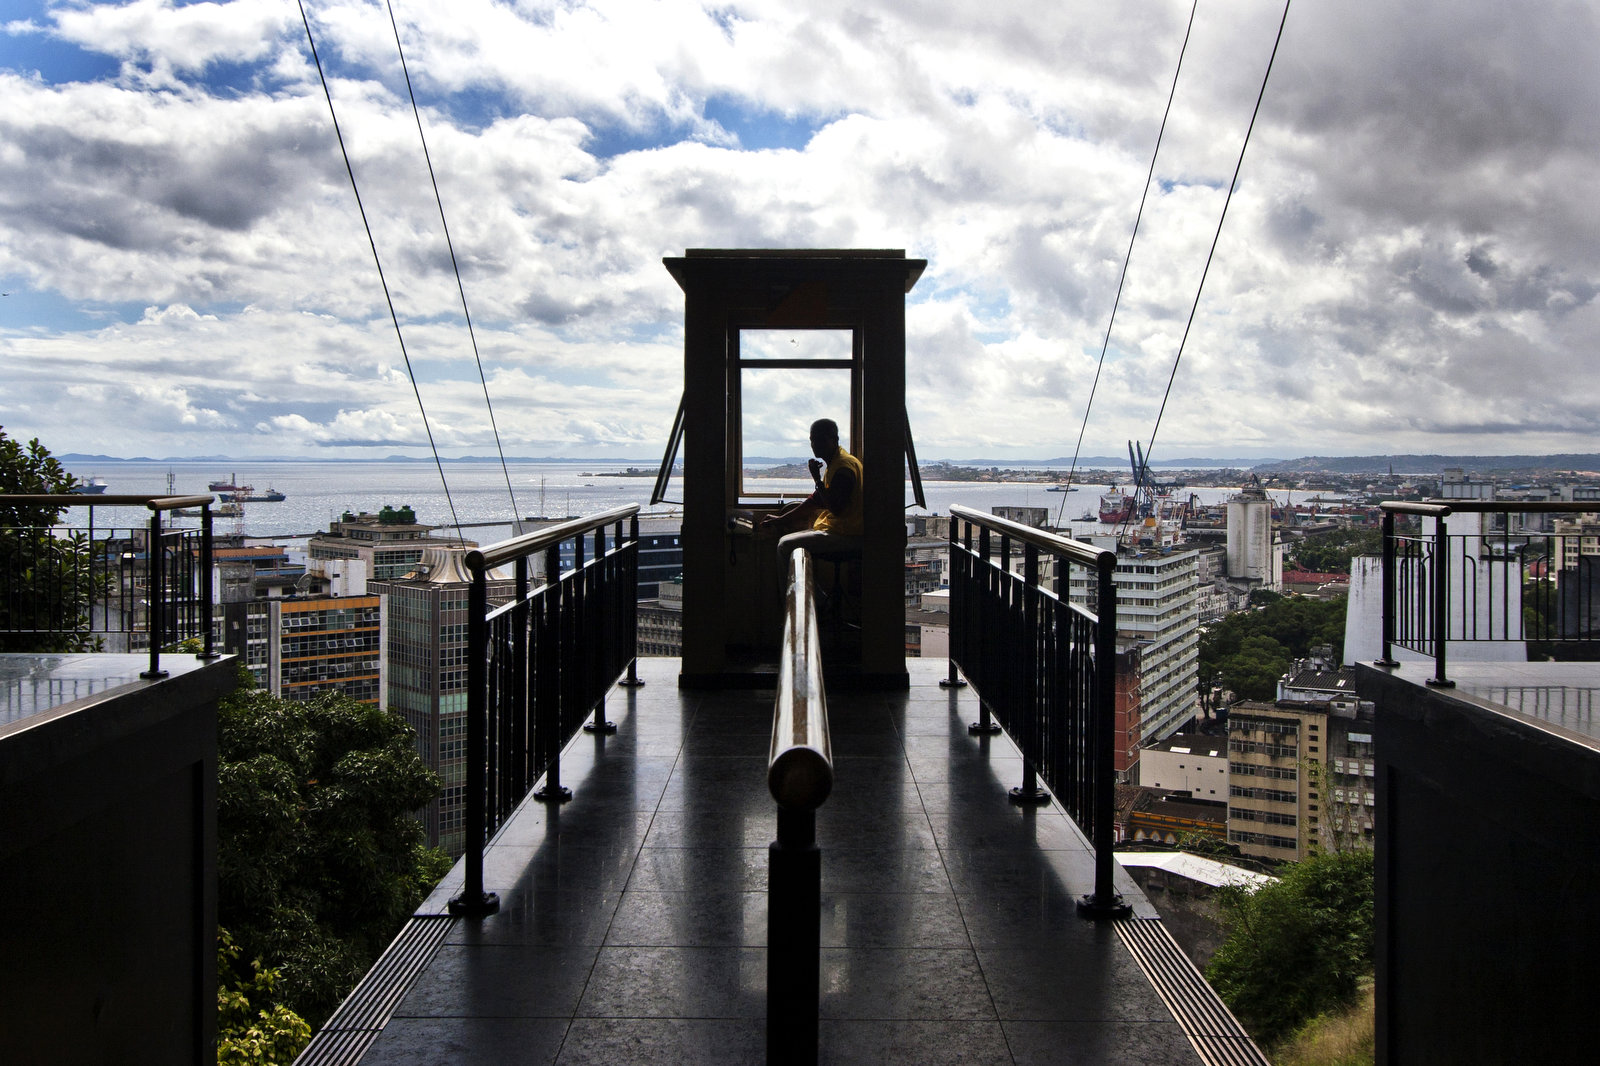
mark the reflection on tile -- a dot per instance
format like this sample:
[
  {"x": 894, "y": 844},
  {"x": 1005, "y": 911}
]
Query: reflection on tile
[
  {"x": 608, "y": 1041},
  {"x": 906, "y": 983},
  {"x": 912, "y": 1043},
  {"x": 677, "y": 982}
]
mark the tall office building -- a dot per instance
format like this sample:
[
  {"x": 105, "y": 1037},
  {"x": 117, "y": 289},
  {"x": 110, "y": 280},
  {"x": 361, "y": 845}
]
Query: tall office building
[
  {"x": 389, "y": 543},
  {"x": 1157, "y": 611},
  {"x": 301, "y": 648},
  {"x": 425, "y": 622}
]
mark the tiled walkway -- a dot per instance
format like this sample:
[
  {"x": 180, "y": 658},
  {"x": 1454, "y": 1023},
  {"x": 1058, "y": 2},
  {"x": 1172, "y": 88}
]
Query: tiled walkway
[{"x": 633, "y": 919}]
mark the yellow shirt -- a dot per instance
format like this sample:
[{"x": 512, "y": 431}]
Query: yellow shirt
[{"x": 848, "y": 520}]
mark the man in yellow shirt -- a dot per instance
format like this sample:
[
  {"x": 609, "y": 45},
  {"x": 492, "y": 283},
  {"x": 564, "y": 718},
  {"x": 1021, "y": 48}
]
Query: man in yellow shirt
[{"x": 831, "y": 516}]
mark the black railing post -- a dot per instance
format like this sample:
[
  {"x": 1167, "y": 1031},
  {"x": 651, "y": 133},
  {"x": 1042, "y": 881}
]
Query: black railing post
[
  {"x": 474, "y": 901},
  {"x": 979, "y": 633},
  {"x": 521, "y": 701},
  {"x": 1389, "y": 578},
  {"x": 1104, "y": 902},
  {"x": 207, "y": 590},
  {"x": 794, "y": 940},
  {"x": 596, "y": 650},
  {"x": 553, "y": 665},
  {"x": 155, "y": 596},
  {"x": 1441, "y": 602},
  {"x": 631, "y": 618},
  {"x": 954, "y": 679},
  {"x": 1024, "y": 670}
]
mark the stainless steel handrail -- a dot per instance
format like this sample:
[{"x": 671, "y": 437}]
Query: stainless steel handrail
[
  {"x": 800, "y": 760},
  {"x": 800, "y": 777},
  {"x": 1075, "y": 550},
  {"x": 84, "y": 499},
  {"x": 505, "y": 551}
]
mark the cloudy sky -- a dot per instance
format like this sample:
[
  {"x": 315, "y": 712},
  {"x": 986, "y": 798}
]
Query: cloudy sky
[{"x": 1410, "y": 262}]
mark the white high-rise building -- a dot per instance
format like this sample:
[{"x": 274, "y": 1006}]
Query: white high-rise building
[
  {"x": 1253, "y": 554},
  {"x": 1158, "y": 609}
]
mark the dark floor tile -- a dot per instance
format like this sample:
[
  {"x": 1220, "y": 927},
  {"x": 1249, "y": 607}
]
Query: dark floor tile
[
  {"x": 1090, "y": 980},
  {"x": 897, "y": 920},
  {"x": 579, "y": 867},
  {"x": 1048, "y": 919},
  {"x": 715, "y": 827},
  {"x": 677, "y": 982},
  {"x": 583, "y": 822},
  {"x": 912, "y": 1043},
  {"x": 865, "y": 826},
  {"x": 756, "y": 743},
  {"x": 707, "y": 1042},
  {"x": 1099, "y": 1044},
  {"x": 541, "y": 917},
  {"x": 884, "y": 744},
  {"x": 874, "y": 870},
  {"x": 903, "y": 983},
  {"x": 430, "y": 1041},
  {"x": 690, "y": 919},
  {"x": 1018, "y": 872},
  {"x": 499, "y": 982},
  {"x": 1007, "y": 828},
  {"x": 700, "y": 870}
]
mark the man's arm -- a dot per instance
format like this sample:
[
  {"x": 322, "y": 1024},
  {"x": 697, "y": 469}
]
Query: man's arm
[{"x": 836, "y": 497}]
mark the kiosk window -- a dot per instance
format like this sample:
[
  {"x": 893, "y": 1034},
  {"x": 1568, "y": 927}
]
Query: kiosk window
[{"x": 786, "y": 380}]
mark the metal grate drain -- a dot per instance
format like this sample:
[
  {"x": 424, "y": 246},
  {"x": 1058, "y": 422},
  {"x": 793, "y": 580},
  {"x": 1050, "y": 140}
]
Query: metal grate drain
[
  {"x": 364, "y": 1013},
  {"x": 1213, "y": 1030}
]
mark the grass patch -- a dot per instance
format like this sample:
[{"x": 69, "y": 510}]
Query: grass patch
[{"x": 1343, "y": 1038}]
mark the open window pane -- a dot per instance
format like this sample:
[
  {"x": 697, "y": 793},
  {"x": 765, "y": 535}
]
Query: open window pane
[{"x": 777, "y": 407}]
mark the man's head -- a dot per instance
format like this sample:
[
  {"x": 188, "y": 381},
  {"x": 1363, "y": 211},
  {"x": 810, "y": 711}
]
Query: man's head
[{"x": 824, "y": 438}]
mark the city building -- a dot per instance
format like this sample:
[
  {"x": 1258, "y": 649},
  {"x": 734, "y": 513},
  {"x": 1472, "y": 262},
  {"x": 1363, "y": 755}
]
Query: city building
[
  {"x": 425, "y": 639},
  {"x": 1301, "y": 771},
  {"x": 389, "y": 543},
  {"x": 660, "y": 620},
  {"x": 303, "y": 647},
  {"x": 1191, "y": 764},
  {"x": 1157, "y": 596},
  {"x": 1255, "y": 555}
]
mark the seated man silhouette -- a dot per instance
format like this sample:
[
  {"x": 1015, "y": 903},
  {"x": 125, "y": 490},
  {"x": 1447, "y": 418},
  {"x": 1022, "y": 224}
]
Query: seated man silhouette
[{"x": 829, "y": 520}]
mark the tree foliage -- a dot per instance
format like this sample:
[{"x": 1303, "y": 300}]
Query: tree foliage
[
  {"x": 1248, "y": 651},
  {"x": 247, "y": 1031},
  {"x": 50, "y": 577},
  {"x": 1331, "y": 552},
  {"x": 1297, "y": 948},
  {"x": 319, "y": 858}
]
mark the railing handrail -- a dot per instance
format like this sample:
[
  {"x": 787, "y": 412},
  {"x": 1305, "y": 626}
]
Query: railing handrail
[
  {"x": 505, "y": 551},
  {"x": 800, "y": 760},
  {"x": 1075, "y": 550},
  {"x": 156, "y": 502},
  {"x": 1440, "y": 508}
]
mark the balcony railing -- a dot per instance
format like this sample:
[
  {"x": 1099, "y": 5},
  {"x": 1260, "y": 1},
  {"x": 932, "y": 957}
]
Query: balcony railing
[
  {"x": 1508, "y": 580},
  {"x": 538, "y": 664},
  {"x": 1045, "y": 668},
  {"x": 67, "y": 587}
]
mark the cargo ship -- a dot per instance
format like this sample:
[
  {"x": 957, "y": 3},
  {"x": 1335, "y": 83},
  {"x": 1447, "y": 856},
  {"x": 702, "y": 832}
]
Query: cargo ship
[{"x": 1116, "y": 506}]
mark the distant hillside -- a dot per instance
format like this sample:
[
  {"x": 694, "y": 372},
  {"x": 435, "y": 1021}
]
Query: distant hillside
[{"x": 1432, "y": 464}]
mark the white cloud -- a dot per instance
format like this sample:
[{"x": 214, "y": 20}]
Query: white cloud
[{"x": 1409, "y": 261}]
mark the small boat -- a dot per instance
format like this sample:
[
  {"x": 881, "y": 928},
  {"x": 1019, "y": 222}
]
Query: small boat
[
  {"x": 248, "y": 494},
  {"x": 1062, "y": 488},
  {"x": 223, "y": 486},
  {"x": 95, "y": 486}
]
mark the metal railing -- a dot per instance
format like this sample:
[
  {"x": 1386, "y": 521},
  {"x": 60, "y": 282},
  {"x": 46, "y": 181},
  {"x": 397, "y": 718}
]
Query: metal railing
[
  {"x": 1506, "y": 581},
  {"x": 68, "y": 587},
  {"x": 800, "y": 777},
  {"x": 1045, "y": 668},
  {"x": 538, "y": 664}
]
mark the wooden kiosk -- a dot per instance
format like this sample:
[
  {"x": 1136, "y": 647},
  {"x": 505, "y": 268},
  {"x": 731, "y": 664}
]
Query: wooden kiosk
[{"x": 731, "y": 591}]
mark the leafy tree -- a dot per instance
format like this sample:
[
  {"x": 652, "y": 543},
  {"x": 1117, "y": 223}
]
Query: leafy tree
[
  {"x": 1248, "y": 651},
  {"x": 1331, "y": 552},
  {"x": 1299, "y": 947},
  {"x": 50, "y": 579},
  {"x": 319, "y": 859},
  {"x": 246, "y": 1031}
]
